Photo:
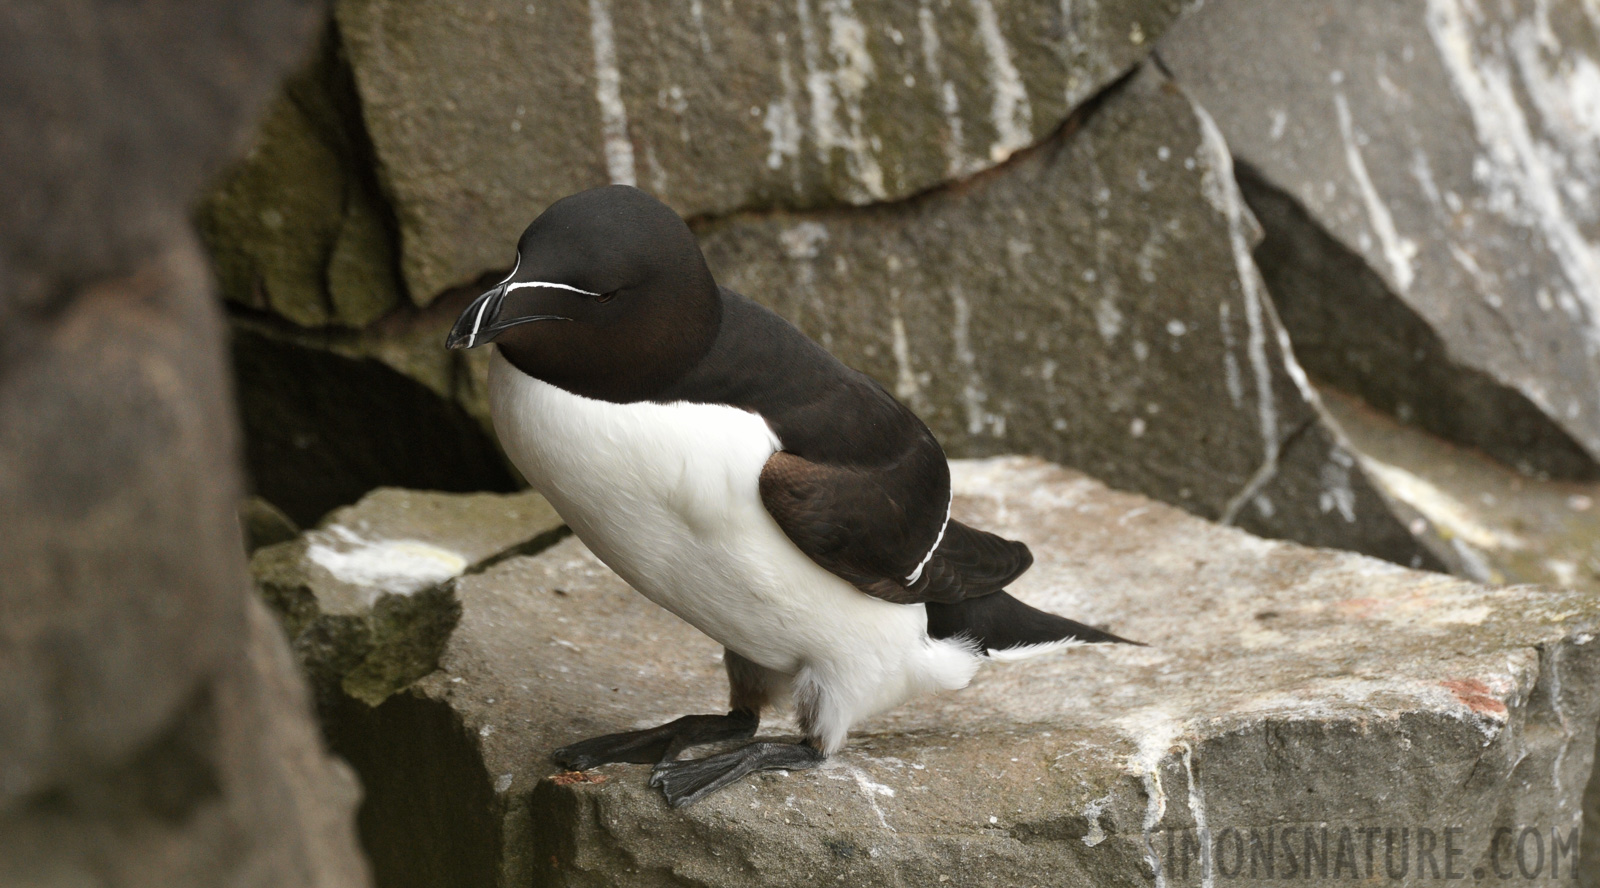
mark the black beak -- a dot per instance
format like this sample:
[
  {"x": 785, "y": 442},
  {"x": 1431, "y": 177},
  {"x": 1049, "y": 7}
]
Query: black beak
[
  {"x": 469, "y": 328},
  {"x": 488, "y": 316}
]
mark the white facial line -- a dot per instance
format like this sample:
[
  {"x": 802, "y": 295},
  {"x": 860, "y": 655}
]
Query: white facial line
[
  {"x": 519, "y": 286},
  {"x": 917, "y": 574}
]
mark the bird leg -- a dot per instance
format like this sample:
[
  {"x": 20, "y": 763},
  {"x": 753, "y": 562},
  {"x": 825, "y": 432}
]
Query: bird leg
[
  {"x": 750, "y": 689},
  {"x": 689, "y": 781},
  {"x": 662, "y": 743}
]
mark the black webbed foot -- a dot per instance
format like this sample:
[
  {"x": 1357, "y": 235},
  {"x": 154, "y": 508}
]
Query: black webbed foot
[
  {"x": 687, "y": 782},
  {"x": 659, "y": 744}
]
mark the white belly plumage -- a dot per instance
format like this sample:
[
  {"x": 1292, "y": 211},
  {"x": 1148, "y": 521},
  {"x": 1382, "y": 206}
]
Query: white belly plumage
[{"x": 668, "y": 496}]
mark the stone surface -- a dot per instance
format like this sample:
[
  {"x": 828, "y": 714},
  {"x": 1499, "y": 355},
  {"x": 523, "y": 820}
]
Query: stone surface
[
  {"x": 103, "y": 151},
  {"x": 153, "y": 731},
  {"x": 368, "y": 599},
  {"x": 1094, "y": 303},
  {"x": 1284, "y": 688},
  {"x": 297, "y": 227},
  {"x": 1426, "y": 175},
  {"x": 236, "y": 790},
  {"x": 264, "y": 524},
  {"x": 1503, "y": 525},
  {"x": 483, "y": 114}
]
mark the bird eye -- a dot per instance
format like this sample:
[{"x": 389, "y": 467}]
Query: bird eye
[{"x": 603, "y": 298}]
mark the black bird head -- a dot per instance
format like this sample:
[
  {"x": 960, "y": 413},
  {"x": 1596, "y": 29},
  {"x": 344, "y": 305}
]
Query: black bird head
[{"x": 610, "y": 297}]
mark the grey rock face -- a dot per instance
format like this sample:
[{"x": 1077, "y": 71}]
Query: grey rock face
[
  {"x": 368, "y": 598},
  {"x": 117, "y": 491},
  {"x": 1284, "y": 687},
  {"x": 1094, "y": 302},
  {"x": 1504, "y": 526},
  {"x": 297, "y": 226},
  {"x": 153, "y": 731},
  {"x": 1425, "y": 173},
  {"x": 74, "y": 104},
  {"x": 236, "y": 789},
  {"x": 481, "y": 116}
]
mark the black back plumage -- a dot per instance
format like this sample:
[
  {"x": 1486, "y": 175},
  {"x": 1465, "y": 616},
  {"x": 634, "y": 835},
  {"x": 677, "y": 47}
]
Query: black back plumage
[{"x": 861, "y": 486}]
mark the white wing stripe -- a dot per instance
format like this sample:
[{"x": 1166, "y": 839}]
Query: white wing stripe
[{"x": 917, "y": 574}]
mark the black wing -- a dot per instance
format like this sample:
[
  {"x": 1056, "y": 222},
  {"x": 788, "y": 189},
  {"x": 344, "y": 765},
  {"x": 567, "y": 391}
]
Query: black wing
[
  {"x": 969, "y": 563},
  {"x": 849, "y": 521},
  {"x": 861, "y": 485}
]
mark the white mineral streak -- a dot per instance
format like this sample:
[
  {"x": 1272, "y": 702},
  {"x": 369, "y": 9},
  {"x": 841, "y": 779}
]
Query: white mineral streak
[
  {"x": 844, "y": 84},
  {"x": 949, "y": 104},
  {"x": 1154, "y": 732},
  {"x": 1197, "y": 809},
  {"x": 1522, "y": 173},
  {"x": 1422, "y": 171},
  {"x": 1107, "y": 319},
  {"x": 870, "y": 791},
  {"x": 396, "y": 567},
  {"x": 905, "y": 384},
  {"x": 972, "y": 394},
  {"x": 697, "y": 12},
  {"x": 608, "y": 92},
  {"x": 1216, "y": 182},
  {"x": 1553, "y": 673},
  {"x": 1397, "y": 251},
  {"x": 1091, "y": 813},
  {"x": 782, "y": 122},
  {"x": 1011, "y": 113},
  {"x": 1076, "y": 47},
  {"x": 1336, "y": 493},
  {"x": 658, "y": 173},
  {"x": 804, "y": 240},
  {"x": 1565, "y": 88},
  {"x": 1230, "y": 361}
]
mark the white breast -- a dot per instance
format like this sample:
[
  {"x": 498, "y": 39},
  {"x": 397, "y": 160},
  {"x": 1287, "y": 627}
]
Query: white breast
[{"x": 668, "y": 496}]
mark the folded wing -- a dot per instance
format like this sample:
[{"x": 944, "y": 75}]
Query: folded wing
[{"x": 862, "y": 526}]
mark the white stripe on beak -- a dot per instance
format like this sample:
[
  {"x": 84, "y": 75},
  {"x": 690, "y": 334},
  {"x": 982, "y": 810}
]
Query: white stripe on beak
[
  {"x": 472, "y": 338},
  {"x": 477, "y": 322}
]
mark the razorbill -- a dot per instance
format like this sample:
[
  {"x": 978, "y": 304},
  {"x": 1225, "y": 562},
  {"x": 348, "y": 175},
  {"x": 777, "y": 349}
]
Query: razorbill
[{"x": 741, "y": 477}]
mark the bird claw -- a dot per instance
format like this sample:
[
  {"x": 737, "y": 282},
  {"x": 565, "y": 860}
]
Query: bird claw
[{"x": 684, "y": 783}]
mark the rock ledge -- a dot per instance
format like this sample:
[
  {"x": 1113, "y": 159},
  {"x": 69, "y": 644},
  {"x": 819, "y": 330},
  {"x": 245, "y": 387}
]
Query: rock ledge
[{"x": 1285, "y": 689}]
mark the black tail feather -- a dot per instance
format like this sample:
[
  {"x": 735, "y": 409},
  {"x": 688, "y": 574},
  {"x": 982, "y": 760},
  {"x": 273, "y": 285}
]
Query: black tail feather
[{"x": 998, "y": 622}]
